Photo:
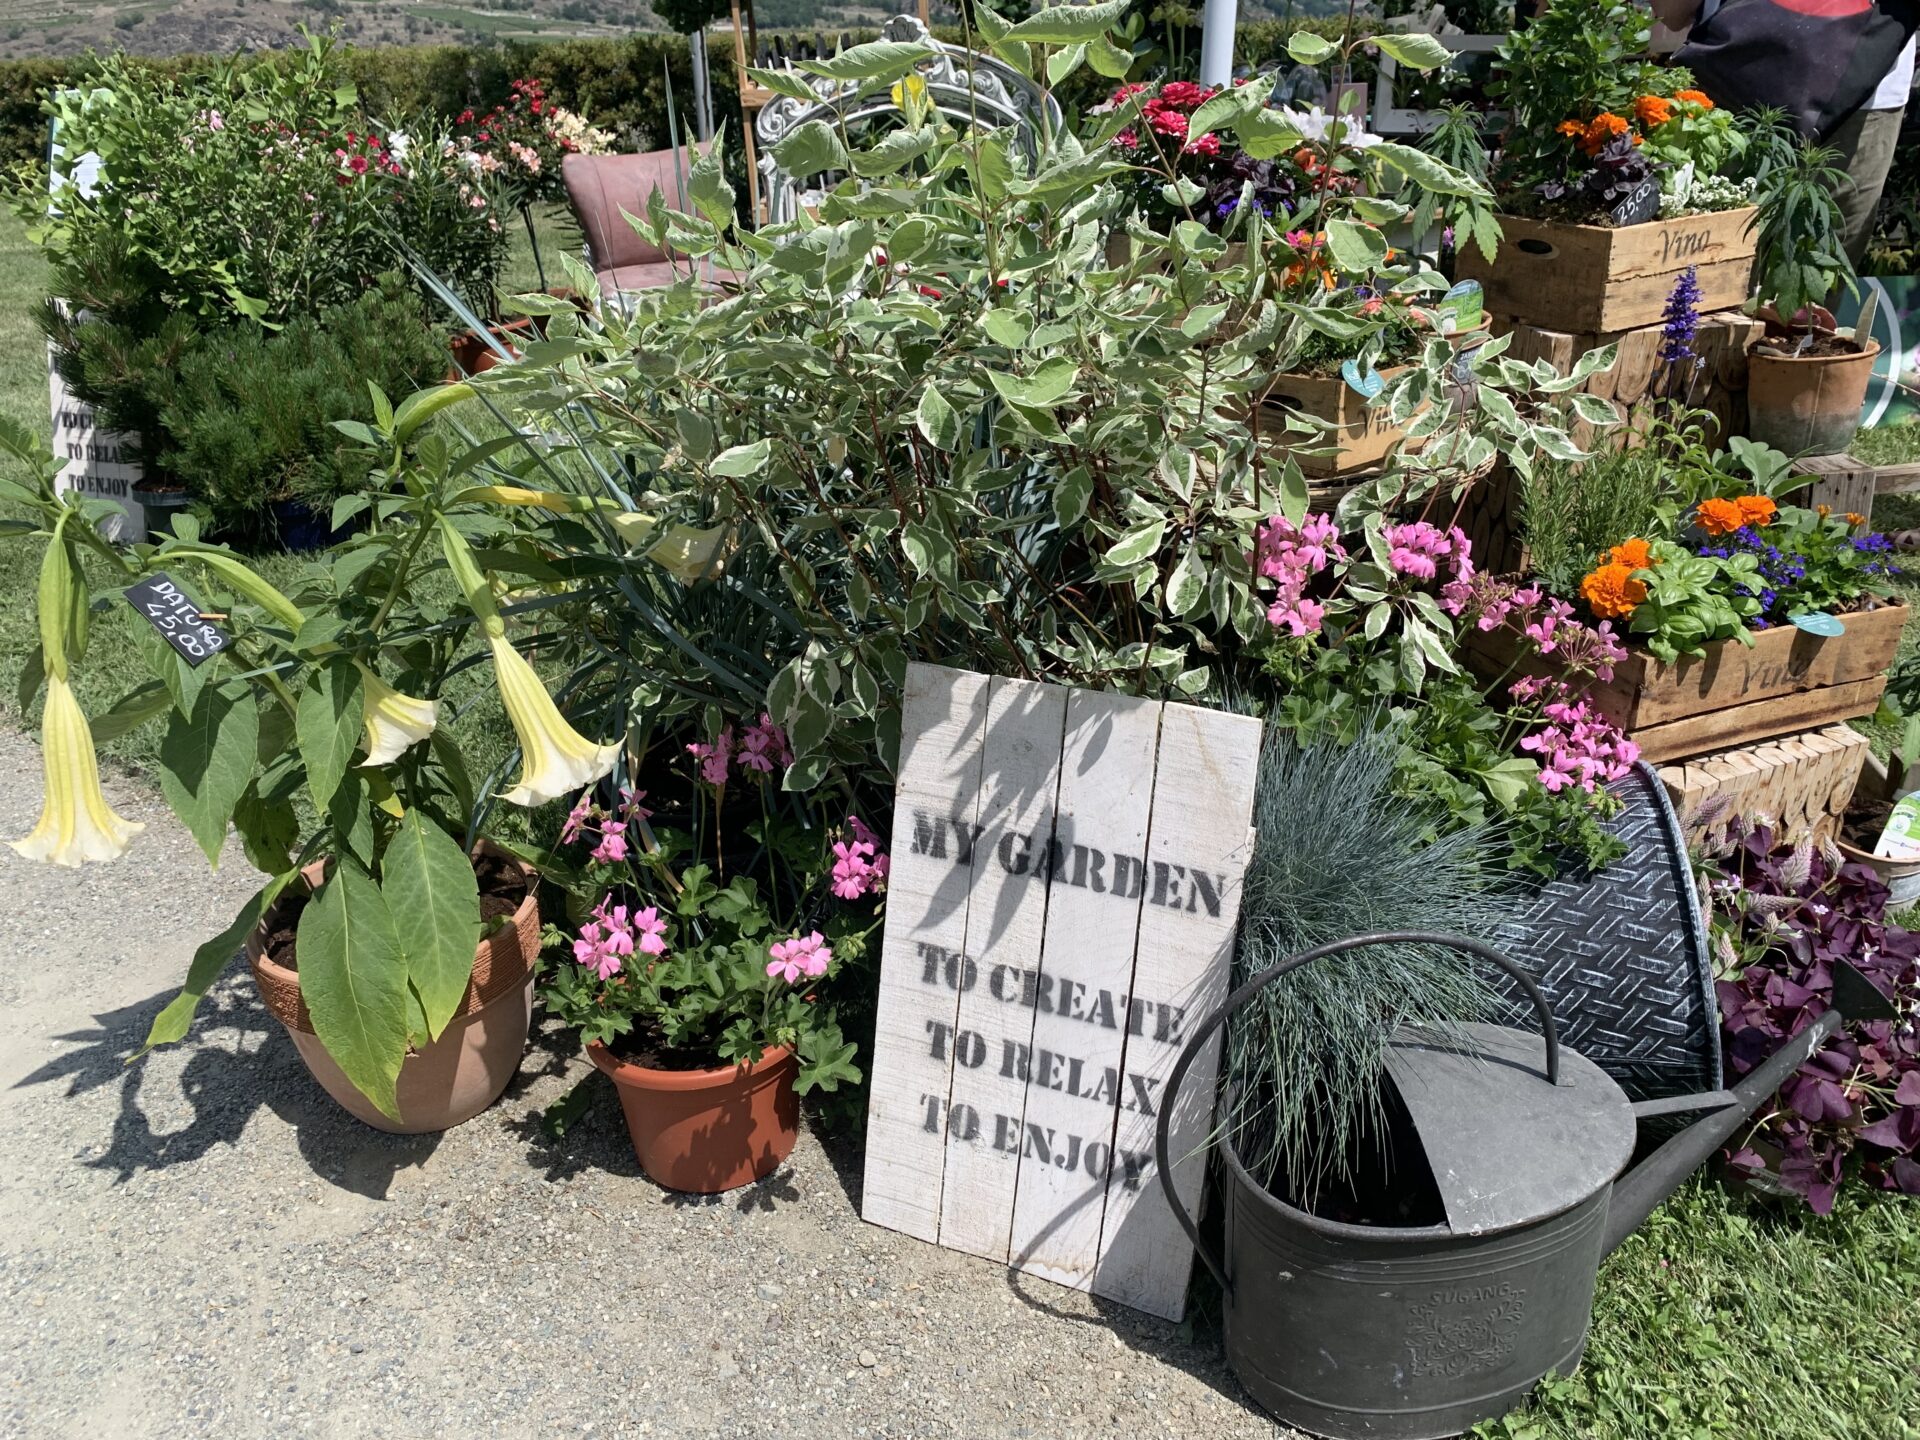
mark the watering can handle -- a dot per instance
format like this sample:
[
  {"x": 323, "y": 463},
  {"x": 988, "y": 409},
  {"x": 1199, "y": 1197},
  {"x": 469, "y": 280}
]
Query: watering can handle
[{"x": 1267, "y": 977}]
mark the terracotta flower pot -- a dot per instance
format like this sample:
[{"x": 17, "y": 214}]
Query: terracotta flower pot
[
  {"x": 455, "y": 1077},
  {"x": 1807, "y": 404},
  {"x": 708, "y": 1130},
  {"x": 1901, "y": 877}
]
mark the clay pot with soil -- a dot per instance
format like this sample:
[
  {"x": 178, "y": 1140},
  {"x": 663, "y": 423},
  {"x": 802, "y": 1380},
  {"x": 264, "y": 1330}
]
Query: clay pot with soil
[
  {"x": 1860, "y": 830},
  {"x": 1805, "y": 396},
  {"x": 454, "y": 1077},
  {"x": 705, "y": 1130}
]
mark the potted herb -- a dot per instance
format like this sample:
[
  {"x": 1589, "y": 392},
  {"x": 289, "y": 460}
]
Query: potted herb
[
  {"x": 1603, "y": 178},
  {"x": 396, "y": 950},
  {"x": 1806, "y": 381},
  {"x": 703, "y": 996}
]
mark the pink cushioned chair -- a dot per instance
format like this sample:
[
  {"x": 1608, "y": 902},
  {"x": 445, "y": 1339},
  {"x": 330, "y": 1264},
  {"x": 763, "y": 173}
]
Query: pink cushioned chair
[{"x": 600, "y": 188}]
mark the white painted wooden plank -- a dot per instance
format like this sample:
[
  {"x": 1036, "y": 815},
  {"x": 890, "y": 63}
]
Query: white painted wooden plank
[
  {"x": 1086, "y": 969},
  {"x": 1019, "y": 781},
  {"x": 1198, "y": 845},
  {"x": 942, "y": 725}
]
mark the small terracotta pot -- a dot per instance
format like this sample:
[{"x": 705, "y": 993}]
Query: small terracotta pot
[
  {"x": 455, "y": 1077},
  {"x": 708, "y": 1130},
  {"x": 1901, "y": 877},
  {"x": 1807, "y": 404}
]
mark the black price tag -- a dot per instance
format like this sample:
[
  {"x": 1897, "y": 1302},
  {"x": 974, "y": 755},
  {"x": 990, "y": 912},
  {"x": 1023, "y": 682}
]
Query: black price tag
[
  {"x": 167, "y": 608},
  {"x": 1641, "y": 206}
]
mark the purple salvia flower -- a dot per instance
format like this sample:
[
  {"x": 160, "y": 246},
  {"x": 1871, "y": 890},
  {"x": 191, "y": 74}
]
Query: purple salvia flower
[{"x": 1680, "y": 321}]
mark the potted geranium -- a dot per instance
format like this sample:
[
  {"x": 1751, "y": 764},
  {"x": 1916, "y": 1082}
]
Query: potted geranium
[
  {"x": 703, "y": 994},
  {"x": 1807, "y": 380},
  {"x": 395, "y": 948},
  {"x": 1614, "y": 175}
]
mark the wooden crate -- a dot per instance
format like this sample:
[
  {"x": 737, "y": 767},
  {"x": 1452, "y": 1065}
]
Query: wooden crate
[
  {"x": 1590, "y": 279},
  {"x": 1360, "y": 439},
  {"x": 1637, "y": 379},
  {"x": 1799, "y": 784},
  {"x": 1841, "y": 483},
  {"x": 1787, "y": 680}
]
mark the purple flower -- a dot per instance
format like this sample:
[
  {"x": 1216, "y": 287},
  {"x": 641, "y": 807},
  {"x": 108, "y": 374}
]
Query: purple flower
[{"x": 1681, "y": 320}]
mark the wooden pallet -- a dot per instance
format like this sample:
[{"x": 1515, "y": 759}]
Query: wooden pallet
[
  {"x": 1843, "y": 484},
  {"x": 1798, "y": 784}
]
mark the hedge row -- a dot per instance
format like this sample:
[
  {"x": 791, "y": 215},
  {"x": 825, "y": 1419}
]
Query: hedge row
[{"x": 622, "y": 85}]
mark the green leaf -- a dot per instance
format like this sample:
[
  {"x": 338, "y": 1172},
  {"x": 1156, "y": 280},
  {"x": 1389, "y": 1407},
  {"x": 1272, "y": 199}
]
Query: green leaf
[
  {"x": 423, "y": 405},
  {"x": 742, "y": 461},
  {"x": 130, "y": 712},
  {"x": 784, "y": 82},
  {"x": 1356, "y": 248},
  {"x": 1046, "y": 386},
  {"x": 1069, "y": 24},
  {"x": 206, "y": 760},
  {"x": 1431, "y": 175},
  {"x": 328, "y": 725},
  {"x": 1187, "y": 586},
  {"x": 875, "y": 60},
  {"x": 808, "y": 149},
  {"x": 33, "y": 674},
  {"x": 1108, "y": 59},
  {"x": 1229, "y": 107},
  {"x": 892, "y": 151},
  {"x": 1416, "y": 51},
  {"x": 354, "y": 980},
  {"x": 434, "y": 899},
  {"x": 1309, "y": 48},
  {"x": 1063, "y": 62},
  {"x": 267, "y": 826},
  {"x": 936, "y": 419},
  {"x": 209, "y": 960},
  {"x": 1007, "y": 327},
  {"x": 707, "y": 184},
  {"x": 1070, "y": 496},
  {"x": 1137, "y": 544}
]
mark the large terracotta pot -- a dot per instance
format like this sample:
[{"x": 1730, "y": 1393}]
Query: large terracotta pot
[
  {"x": 1809, "y": 404},
  {"x": 454, "y": 1077},
  {"x": 708, "y": 1130}
]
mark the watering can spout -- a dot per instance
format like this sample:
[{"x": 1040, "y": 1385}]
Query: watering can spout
[{"x": 1640, "y": 1190}]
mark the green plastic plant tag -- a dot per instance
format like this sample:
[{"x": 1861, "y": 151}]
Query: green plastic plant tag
[{"x": 1819, "y": 623}]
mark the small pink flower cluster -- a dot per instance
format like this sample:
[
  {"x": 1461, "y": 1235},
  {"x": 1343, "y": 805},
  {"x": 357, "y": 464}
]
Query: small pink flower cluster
[
  {"x": 1416, "y": 549},
  {"x": 612, "y": 936},
  {"x": 761, "y": 748},
  {"x": 1576, "y": 746},
  {"x": 611, "y": 828},
  {"x": 859, "y": 865},
  {"x": 804, "y": 957},
  {"x": 1579, "y": 649},
  {"x": 1291, "y": 555}
]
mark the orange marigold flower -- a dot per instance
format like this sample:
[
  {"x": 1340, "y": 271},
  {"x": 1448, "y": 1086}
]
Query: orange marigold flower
[
  {"x": 1854, "y": 517},
  {"x": 1757, "y": 509},
  {"x": 1572, "y": 129},
  {"x": 1612, "y": 593},
  {"x": 1823, "y": 511},
  {"x": 1635, "y": 554},
  {"x": 1719, "y": 517},
  {"x": 1602, "y": 128},
  {"x": 1694, "y": 97},
  {"x": 1652, "y": 111}
]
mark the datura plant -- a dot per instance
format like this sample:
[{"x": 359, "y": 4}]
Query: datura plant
[
  {"x": 938, "y": 418},
  {"x": 314, "y": 722}
]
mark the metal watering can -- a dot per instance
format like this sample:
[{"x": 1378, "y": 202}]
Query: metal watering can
[{"x": 1348, "y": 1330}]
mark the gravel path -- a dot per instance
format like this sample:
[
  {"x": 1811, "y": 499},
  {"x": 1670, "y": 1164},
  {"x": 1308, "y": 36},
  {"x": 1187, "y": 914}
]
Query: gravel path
[{"x": 203, "y": 1244}]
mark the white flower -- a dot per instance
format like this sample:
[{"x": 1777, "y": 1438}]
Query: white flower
[{"x": 1317, "y": 124}]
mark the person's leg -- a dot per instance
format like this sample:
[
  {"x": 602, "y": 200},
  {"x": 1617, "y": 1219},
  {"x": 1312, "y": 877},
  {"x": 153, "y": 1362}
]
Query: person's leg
[{"x": 1866, "y": 143}]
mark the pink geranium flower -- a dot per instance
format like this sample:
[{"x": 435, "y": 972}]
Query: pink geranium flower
[{"x": 802, "y": 957}]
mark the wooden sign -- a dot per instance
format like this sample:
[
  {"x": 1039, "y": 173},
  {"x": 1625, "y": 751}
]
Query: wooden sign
[
  {"x": 165, "y": 606},
  {"x": 95, "y": 461},
  {"x": 1061, "y": 911}
]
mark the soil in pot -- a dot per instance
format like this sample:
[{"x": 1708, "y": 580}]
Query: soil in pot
[
  {"x": 700, "y": 1128},
  {"x": 455, "y": 1077}
]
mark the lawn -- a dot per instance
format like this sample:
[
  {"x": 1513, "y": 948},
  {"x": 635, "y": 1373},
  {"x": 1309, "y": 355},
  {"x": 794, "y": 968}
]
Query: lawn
[{"x": 1722, "y": 1317}]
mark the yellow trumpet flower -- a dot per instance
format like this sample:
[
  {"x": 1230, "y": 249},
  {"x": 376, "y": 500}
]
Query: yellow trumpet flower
[
  {"x": 76, "y": 823},
  {"x": 393, "y": 721},
  {"x": 555, "y": 759}
]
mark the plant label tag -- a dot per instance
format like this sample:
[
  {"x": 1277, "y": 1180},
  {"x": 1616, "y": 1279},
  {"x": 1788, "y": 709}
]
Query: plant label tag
[
  {"x": 166, "y": 607},
  {"x": 1819, "y": 623},
  {"x": 1641, "y": 206},
  {"x": 1369, "y": 384},
  {"x": 1462, "y": 308}
]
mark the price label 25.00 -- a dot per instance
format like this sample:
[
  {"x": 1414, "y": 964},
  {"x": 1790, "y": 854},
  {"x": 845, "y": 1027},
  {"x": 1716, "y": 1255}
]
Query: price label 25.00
[{"x": 166, "y": 607}]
